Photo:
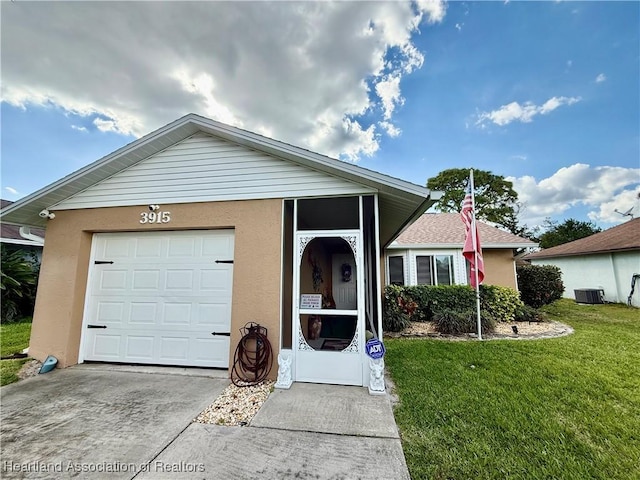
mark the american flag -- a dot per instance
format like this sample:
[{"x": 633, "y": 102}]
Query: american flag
[{"x": 472, "y": 250}]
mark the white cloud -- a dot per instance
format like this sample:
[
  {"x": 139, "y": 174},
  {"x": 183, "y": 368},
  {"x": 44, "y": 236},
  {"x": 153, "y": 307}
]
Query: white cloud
[
  {"x": 391, "y": 129},
  {"x": 622, "y": 202},
  {"x": 513, "y": 111},
  {"x": 305, "y": 72},
  {"x": 79, "y": 128},
  {"x": 107, "y": 125},
  {"x": 459, "y": 26},
  {"x": 600, "y": 188},
  {"x": 11, "y": 190},
  {"x": 388, "y": 91},
  {"x": 434, "y": 9},
  {"x": 601, "y": 78}
]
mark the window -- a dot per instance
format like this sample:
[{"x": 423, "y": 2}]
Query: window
[
  {"x": 396, "y": 270},
  {"x": 424, "y": 271},
  {"x": 444, "y": 269},
  {"x": 434, "y": 269}
]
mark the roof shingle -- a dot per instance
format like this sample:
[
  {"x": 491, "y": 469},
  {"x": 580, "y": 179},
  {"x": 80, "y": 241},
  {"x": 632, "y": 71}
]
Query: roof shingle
[
  {"x": 448, "y": 229},
  {"x": 623, "y": 237}
]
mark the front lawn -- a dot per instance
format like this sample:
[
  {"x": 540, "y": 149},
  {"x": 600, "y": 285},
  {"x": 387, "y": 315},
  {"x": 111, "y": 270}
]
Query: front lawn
[
  {"x": 14, "y": 337},
  {"x": 561, "y": 408}
]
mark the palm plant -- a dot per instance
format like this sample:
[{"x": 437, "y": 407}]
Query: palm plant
[{"x": 18, "y": 276}]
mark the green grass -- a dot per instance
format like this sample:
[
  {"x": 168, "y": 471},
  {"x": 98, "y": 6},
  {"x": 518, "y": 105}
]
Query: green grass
[
  {"x": 565, "y": 408},
  {"x": 14, "y": 337},
  {"x": 9, "y": 370}
]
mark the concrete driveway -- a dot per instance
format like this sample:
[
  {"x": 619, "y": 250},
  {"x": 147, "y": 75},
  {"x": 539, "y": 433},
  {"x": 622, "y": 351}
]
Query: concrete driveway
[{"x": 98, "y": 422}]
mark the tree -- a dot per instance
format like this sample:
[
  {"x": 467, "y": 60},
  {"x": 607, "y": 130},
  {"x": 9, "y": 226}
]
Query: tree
[
  {"x": 495, "y": 199},
  {"x": 565, "y": 232}
]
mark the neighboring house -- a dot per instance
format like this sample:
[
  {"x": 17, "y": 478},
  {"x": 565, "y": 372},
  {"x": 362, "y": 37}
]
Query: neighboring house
[
  {"x": 605, "y": 261},
  {"x": 160, "y": 252},
  {"x": 10, "y": 237},
  {"x": 429, "y": 252}
]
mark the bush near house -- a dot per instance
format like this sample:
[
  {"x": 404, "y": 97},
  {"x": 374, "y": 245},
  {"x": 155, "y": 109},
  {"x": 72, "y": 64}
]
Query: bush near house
[
  {"x": 18, "y": 280},
  {"x": 455, "y": 322},
  {"x": 398, "y": 308},
  {"x": 448, "y": 306},
  {"x": 539, "y": 284}
]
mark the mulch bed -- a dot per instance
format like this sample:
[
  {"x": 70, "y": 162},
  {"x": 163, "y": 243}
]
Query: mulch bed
[{"x": 503, "y": 331}]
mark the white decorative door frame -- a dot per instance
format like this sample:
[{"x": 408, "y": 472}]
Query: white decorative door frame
[{"x": 322, "y": 366}]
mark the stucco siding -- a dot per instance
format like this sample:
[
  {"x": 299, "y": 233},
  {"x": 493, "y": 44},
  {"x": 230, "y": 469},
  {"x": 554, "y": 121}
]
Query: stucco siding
[
  {"x": 611, "y": 272},
  {"x": 498, "y": 268},
  {"x": 214, "y": 170},
  {"x": 60, "y": 300},
  {"x": 499, "y": 265}
]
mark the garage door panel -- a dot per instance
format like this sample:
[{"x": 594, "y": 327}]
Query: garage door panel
[
  {"x": 177, "y": 314},
  {"x": 109, "y": 312},
  {"x": 139, "y": 348},
  {"x": 148, "y": 248},
  {"x": 113, "y": 280},
  {"x": 117, "y": 248},
  {"x": 106, "y": 346},
  {"x": 213, "y": 316},
  {"x": 145, "y": 279},
  {"x": 161, "y": 299},
  {"x": 178, "y": 279},
  {"x": 214, "y": 279},
  {"x": 211, "y": 350},
  {"x": 182, "y": 247},
  {"x": 143, "y": 313},
  {"x": 173, "y": 348},
  {"x": 217, "y": 247}
]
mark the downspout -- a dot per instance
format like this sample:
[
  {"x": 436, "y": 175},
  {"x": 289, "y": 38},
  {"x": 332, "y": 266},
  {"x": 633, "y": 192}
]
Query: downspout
[{"x": 25, "y": 232}]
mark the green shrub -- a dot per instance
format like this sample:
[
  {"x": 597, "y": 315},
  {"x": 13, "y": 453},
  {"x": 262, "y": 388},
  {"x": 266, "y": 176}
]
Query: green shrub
[
  {"x": 423, "y": 302},
  {"x": 529, "y": 314},
  {"x": 433, "y": 298},
  {"x": 502, "y": 303},
  {"x": 454, "y": 322},
  {"x": 18, "y": 279},
  {"x": 539, "y": 284},
  {"x": 398, "y": 308}
]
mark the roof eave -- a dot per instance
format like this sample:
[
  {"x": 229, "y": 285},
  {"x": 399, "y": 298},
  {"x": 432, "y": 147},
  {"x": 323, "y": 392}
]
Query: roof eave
[
  {"x": 578, "y": 254},
  {"x": 485, "y": 246},
  {"x": 156, "y": 141}
]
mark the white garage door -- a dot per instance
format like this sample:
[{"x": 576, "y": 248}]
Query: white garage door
[{"x": 159, "y": 297}]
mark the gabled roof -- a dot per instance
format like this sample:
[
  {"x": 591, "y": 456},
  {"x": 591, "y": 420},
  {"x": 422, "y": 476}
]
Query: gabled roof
[
  {"x": 446, "y": 230},
  {"x": 623, "y": 237},
  {"x": 400, "y": 201},
  {"x": 11, "y": 233}
]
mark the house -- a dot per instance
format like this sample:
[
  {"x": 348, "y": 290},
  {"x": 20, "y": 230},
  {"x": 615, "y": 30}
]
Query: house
[
  {"x": 429, "y": 252},
  {"x": 29, "y": 242},
  {"x": 604, "y": 261},
  {"x": 160, "y": 252}
]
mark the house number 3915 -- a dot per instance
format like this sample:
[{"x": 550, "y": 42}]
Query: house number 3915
[{"x": 155, "y": 217}]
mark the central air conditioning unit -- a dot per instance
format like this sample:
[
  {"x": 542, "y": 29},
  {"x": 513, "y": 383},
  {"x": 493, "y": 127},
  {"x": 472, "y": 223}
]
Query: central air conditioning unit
[{"x": 589, "y": 295}]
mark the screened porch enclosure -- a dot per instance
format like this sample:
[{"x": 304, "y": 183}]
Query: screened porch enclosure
[{"x": 330, "y": 294}]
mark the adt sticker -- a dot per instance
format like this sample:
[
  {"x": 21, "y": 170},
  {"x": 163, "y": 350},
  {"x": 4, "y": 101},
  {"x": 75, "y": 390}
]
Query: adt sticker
[{"x": 375, "y": 348}]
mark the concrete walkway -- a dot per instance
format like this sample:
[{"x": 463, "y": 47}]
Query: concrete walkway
[
  {"x": 104, "y": 422},
  {"x": 310, "y": 431}
]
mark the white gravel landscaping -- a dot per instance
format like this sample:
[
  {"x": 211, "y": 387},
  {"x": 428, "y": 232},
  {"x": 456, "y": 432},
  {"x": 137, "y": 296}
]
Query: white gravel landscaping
[{"x": 236, "y": 405}]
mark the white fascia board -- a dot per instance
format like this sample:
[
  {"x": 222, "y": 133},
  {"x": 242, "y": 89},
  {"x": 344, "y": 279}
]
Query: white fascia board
[
  {"x": 431, "y": 246},
  {"x": 14, "y": 241}
]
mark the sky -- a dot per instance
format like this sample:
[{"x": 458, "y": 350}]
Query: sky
[{"x": 546, "y": 94}]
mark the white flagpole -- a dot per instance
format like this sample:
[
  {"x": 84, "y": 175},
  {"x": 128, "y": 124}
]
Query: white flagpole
[{"x": 475, "y": 251}]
